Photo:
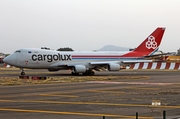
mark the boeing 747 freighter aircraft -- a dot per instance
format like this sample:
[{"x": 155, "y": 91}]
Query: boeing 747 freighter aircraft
[{"x": 84, "y": 62}]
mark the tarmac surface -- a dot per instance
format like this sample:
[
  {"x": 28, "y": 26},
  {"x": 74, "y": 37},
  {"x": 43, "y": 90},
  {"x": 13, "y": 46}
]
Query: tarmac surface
[{"x": 114, "y": 99}]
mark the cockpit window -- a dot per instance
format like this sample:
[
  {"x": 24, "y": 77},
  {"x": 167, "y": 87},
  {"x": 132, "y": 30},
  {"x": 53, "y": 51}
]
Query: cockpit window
[{"x": 18, "y": 51}]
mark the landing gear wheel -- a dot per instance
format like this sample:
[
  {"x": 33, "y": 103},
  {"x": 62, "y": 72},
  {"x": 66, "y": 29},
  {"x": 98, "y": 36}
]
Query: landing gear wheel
[
  {"x": 85, "y": 74},
  {"x": 74, "y": 74},
  {"x": 89, "y": 73},
  {"x": 92, "y": 73},
  {"x": 22, "y": 73}
]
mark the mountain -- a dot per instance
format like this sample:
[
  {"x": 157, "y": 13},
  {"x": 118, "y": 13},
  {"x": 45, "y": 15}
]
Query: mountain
[{"x": 113, "y": 48}]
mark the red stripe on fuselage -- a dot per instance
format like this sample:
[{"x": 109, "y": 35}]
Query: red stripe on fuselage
[
  {"x": 98, "y": 56},
  {"x": 82, "y": 56}
]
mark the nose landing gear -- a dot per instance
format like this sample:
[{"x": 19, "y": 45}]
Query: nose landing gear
[{"x": 22, "y": 72}]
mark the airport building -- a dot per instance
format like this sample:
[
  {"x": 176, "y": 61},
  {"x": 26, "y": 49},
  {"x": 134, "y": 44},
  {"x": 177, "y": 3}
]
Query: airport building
[{"x": 2, "y": 56}]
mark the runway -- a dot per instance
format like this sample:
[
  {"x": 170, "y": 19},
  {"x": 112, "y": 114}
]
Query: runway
[
  {"x": 114, "y": 99},
  {"x": 11, "y": 72}
]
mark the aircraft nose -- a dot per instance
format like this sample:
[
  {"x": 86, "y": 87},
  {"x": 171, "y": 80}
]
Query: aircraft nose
[
  {"x": 6, "y": 60},
  {"x": 9, "y": 59}
]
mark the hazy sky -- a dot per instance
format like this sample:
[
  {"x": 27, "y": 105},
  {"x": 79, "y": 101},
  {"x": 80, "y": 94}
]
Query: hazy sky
[{"x": 86, "y": 24}]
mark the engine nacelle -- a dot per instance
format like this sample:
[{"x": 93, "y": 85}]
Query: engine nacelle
[
  {"x": 79, "y": 69},
  {"x": 51, "y": 70},
  {"x": 114, "y": 67}
]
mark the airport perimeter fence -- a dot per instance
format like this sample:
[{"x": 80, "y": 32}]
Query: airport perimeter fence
[{"x": 136, "y": 117}]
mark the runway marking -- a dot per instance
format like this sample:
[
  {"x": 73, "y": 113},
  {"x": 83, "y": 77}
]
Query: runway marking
[
  {"x": 60, "y": 95},
  {"x": 107, "y": 91},
  {"x": 90, "y": 103},
  {"x": 30, "y": 89},
  {"x": 41, "y": 88},
  {"x": 87, "y": 90},
  {"x": 140, "y": 83},
  {"x": 62, "y": 86},
  {"x": 23, "y": 95},
  {"x": 68, "y": 94},
  {"x": 132, "y": 88},
  {"x": 18, "y": 95},
  {"x": 139, "y": 88},
  {"x": 72, "y": 113}
]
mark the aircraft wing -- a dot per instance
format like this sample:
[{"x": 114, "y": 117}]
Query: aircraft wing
[
  {"x": 103, "y": 65},
  {"x": 123, "y": 63},
  {"x": 100, "y": 63}
]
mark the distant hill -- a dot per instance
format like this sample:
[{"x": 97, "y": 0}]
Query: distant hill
[{"x": 113, "y": 48}]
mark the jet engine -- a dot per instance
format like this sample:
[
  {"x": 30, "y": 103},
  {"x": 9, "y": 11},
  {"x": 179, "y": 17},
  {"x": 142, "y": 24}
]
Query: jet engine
[
  {"x": 79, "y": 69},
  {"x": 114, "y": 67}
]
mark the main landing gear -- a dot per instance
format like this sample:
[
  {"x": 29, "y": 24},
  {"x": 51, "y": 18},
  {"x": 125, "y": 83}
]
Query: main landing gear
[
  {"x": 22, "y": 72},
  {"x": 87, "y": 73},
  {"x": 74, "y": 74}
]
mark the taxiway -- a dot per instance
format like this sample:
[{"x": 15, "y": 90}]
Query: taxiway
[{"x": 114, "y": 99}]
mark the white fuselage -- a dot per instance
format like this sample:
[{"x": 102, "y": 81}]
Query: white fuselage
[{"x": 43, "y": 59}]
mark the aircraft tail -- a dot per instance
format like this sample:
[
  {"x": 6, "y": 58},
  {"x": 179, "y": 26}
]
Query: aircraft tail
[{"x": 149, "y": 45}]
